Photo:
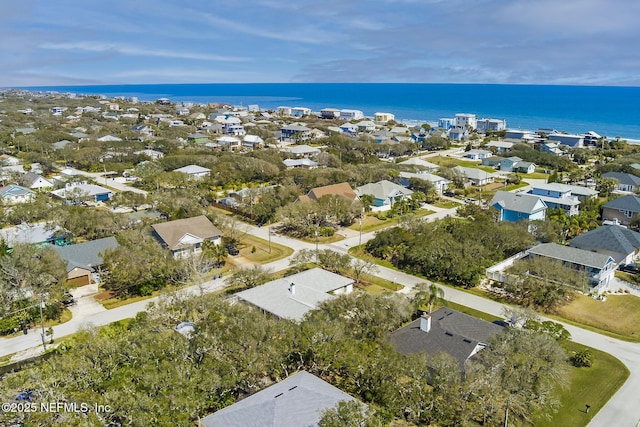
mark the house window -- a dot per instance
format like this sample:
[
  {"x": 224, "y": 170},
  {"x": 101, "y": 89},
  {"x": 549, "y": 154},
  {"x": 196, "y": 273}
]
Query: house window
[{"x": 628, "y": 214}]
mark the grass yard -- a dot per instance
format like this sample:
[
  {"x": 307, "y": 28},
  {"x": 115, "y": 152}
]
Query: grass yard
[
  {"x": 109, "y": 301},
  {"x": 359, "y": 252},
  {"x": 65, "y": 317},
  {"x": 446, "y": 204},
  {"x": 262, "y": 255},
  {"x": 376, "y": 285},
  {"x": 535, "y": 175},
  {"x": 516, "y": 186},
  {"x": 472, "y": 312},
  {"x": 593, "y": 386},
  {"x": 451, "y": 161},
  {"x": 618, "y": 316},
  {"x": 371, "y": 223}
]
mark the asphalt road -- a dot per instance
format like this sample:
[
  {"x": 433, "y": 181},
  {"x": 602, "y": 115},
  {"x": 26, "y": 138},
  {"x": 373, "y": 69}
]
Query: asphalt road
[{"x": 621, "y": 411}]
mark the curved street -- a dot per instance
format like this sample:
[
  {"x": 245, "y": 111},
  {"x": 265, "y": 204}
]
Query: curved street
[{"x": 620, "y": 411}]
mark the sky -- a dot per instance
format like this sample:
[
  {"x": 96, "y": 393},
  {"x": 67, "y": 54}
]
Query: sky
[{"x": 71, "y": 42}]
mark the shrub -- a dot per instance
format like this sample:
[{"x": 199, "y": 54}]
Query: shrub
[{"x": 582, "y": 359}]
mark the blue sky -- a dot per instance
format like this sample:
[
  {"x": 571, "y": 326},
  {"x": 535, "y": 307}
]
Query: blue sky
[{"x": 64, "y": 42}]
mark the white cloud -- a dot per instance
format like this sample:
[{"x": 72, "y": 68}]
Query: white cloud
[{"x": 139, "y": 51}]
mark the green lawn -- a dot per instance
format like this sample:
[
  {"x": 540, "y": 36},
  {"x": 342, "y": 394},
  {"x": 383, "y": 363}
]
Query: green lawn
[
  {"x": 264, "y": 253},
  {"x": 446, "y": 204},
  {"x": 618, "y": 316},
  {"x": 516, "y": 186},
  {"x": 593, "y": 386},
  {"x": 450, "y": 161},
  {"x": 371, "y": 223}
]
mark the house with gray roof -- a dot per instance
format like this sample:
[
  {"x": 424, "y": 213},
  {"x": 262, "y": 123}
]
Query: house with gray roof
[
  {"x": 445, "y": 331},
  {"x": 599, "y": 268},
  {"x": 440, "y": 184},
  {"x": 500, "y": 146},
  {"x": 557, "y": 196},
  {"x": 618, "y": 242},
  {"x": 293, "y": 296},
  {"x": 422, "y": 165},
  {"x": 75, "y": 192},
  {"x": 624, "y": 181},
  {"x": 295, "y": 132},
  {"x": 475, "y": 177},
  {"x": 14, "y": 194},
  {"x": 41, "y": 233},
  {"x": 35, "y": 182},
  {"x": 85, "y": 259},
  {"x": 622, "y": 209},
  {"x": 298, "y": 400},
  {"x": 385, "y": 193},
  {"x": 477, "y": 154},
  {"x": 194, "y": 171},
  {"x": 301, "y": 150},
  {"x": 300, "y": 163},
  {"x": 515, "y": 207}
]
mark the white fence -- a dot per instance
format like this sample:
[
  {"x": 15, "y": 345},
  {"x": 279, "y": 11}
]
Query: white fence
[{"x": 495, "y": 272}]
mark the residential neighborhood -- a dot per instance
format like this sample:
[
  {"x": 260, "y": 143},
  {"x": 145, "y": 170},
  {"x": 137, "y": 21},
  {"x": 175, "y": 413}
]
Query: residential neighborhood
[{"x": 296, "y": 255}]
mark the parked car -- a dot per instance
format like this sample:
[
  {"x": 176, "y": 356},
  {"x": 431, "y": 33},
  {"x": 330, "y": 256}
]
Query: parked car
[
  {"x": 232, "y": 250},
  {"x": 67, "y": 299},
  {"x": 629, "y": 268},
  {"x": 449, "y": 194}
]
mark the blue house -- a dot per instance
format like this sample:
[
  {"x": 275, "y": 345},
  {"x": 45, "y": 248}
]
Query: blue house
[
  {"x": 514, "y": 207},
  {"x": 557, "y": 196}
]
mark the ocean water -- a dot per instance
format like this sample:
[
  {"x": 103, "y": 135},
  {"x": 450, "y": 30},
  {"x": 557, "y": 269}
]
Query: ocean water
[{"x": 609, "y": 111}]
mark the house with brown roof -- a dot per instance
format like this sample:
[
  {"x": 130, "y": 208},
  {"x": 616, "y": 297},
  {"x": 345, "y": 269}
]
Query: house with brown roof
[
  {"x": 184, "y": 237},
  {"x": 343, "y": 189}
]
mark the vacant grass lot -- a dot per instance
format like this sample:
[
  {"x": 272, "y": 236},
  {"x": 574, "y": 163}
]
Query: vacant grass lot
[
  {"x": 451, "y": 161},
  {"x": 619, "y": 314},
  {"x": 262, "y": 254}
]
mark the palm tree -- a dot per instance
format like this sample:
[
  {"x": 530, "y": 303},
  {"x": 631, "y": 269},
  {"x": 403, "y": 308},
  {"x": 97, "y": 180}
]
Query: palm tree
[{"x": 428, "y": 294}]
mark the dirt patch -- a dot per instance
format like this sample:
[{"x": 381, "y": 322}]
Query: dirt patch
[{"x": 105, "y": 295}]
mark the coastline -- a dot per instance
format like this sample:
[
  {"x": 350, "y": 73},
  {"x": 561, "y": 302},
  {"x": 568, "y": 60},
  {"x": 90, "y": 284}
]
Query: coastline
[{"x": 609, "y": 111}]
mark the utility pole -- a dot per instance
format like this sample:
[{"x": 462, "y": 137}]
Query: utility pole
[
  {"x": 316, "y": 245},
  {"x": 44, "y": 344},
  {"x": 360, "y": 221}
]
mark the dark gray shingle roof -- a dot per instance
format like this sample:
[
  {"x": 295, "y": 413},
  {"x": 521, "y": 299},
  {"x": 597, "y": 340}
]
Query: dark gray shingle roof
[
  {"x": 569, "y": 254},
  {"x": 87, "y": 254},
  {"x": 516, "y": 202},
  {"x": 452, "y": 332},
  {"x": 623, "y": 178},
  {"x": 627, "y": 203},
  {"x": 611, "y": 238}
]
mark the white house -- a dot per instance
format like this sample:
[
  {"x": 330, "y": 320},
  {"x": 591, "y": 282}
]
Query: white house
[
  {"x": 194, "y": 171},
  {"x": 293, "y": 296}
]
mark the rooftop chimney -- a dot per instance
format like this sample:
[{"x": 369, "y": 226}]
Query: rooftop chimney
[
  {"x": 292, "y": 288},
  {"x": 425, "y": 323}
]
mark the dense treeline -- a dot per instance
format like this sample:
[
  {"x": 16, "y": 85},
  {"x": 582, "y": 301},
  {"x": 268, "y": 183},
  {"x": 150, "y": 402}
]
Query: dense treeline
[
  {"x": 150, "y": 375},
  {"x": 453, "y": 250}
]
